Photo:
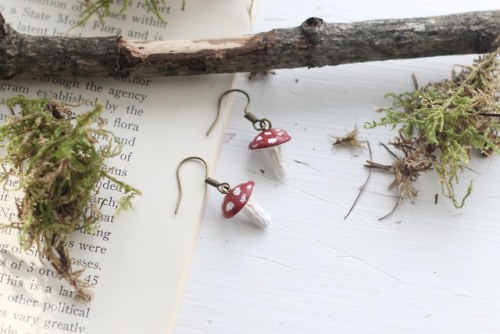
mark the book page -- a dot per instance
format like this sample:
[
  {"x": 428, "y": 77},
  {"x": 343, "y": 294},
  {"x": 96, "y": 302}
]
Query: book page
[{"x": 137, "y": 261}]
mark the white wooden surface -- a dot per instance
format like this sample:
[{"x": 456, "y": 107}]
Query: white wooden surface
[{"x": 427, "y": 269}]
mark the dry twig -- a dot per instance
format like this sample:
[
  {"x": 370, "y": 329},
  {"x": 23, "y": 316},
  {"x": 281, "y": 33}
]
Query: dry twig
[{"x": 313, "y": 44}]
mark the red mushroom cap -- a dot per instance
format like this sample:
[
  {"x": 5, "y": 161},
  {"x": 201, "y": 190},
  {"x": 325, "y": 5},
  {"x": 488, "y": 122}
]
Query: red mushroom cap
[
  {"x": 269, "y": 138},
  {"x": 237, "y": 198}
]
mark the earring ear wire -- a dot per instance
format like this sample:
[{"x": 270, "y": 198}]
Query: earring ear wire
[
  {"x": 248, "y": 115},
  {"x": 222, "y": 187},
  {"x": 179, "y": 186}
]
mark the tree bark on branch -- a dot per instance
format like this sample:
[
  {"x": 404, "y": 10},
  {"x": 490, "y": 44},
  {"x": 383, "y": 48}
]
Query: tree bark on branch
[{"x": 313, "y": 44}]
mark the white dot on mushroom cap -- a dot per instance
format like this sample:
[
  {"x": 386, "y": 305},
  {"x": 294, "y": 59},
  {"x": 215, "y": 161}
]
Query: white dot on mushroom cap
[
  {"x": 229, "y": 206},
  {"x": 249, "y": 186},
  {"x": 268, "y": 133},
  {"x": 243, "y": 198},
  {"x": 237, "y": 191},
  {"x": 258, "y": 138},
  {"x": 272, "y": 140}
]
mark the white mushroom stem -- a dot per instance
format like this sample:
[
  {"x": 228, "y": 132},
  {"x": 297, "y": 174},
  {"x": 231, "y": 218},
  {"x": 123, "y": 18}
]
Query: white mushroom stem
[
  {"x": 254, "y": 212},
  {"x": 278, "y": 161}
]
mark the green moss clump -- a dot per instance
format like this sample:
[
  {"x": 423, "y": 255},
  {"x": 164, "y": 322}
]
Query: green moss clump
[
  {"x": 442, "y": 123},
  {"x": 57, "y": 163}
]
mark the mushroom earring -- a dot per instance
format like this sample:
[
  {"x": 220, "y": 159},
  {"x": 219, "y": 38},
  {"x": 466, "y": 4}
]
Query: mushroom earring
[
  {"x": 237, "y": 199},
  {"x": 269, "y": 139}
]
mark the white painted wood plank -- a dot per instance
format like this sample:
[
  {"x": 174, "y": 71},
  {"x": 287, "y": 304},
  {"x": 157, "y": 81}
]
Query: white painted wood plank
[{"x": 429, "y": 268}]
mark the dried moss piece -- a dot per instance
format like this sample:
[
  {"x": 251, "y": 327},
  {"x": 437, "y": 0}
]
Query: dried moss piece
[
  {"x": 446, "y": 120},
  {"x": 351, "y": 139},
  {"x": 407, "y": 169},
  {"x": 57, "y": 163}
]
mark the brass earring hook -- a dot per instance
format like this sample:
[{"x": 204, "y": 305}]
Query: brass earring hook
[
  {"x": 222, "y": 187},
  {"x": 258, "y": 124},
  {"x": 220, "y": 103}
]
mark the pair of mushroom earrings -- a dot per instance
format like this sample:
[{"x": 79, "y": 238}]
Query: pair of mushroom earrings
[{"x": 238, "y": 199}]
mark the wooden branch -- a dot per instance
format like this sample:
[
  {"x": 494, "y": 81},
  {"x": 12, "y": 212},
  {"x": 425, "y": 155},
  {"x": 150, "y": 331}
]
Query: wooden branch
[{"x": 312, "y": 44}]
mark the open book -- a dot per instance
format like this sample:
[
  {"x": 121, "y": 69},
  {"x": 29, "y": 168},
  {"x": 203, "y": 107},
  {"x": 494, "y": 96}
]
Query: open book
[{"x": 138, "y": 261}]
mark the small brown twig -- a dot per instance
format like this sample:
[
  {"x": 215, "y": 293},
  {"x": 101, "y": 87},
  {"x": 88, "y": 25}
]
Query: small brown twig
[{"x": 364, "y": 184}]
